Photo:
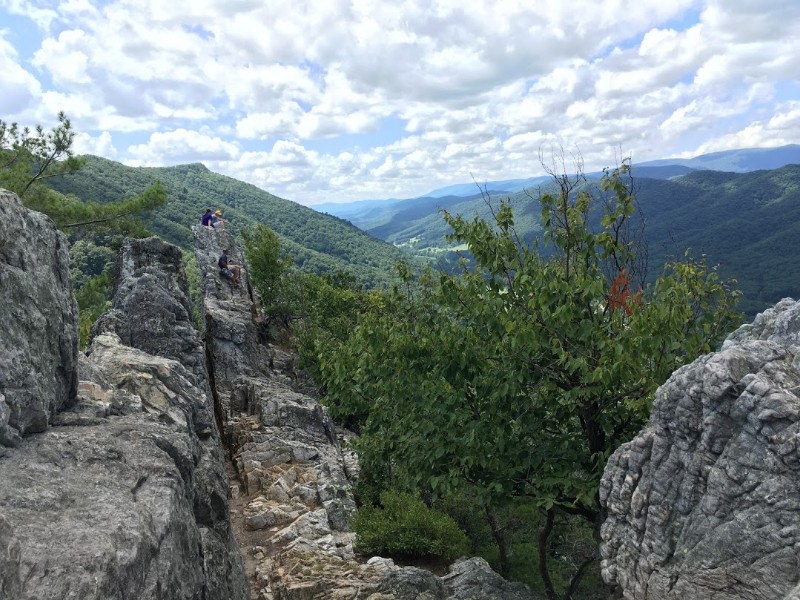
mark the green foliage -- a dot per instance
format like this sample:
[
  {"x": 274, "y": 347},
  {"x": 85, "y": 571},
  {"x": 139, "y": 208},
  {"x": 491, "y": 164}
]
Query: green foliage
[
  {"x": 27, "y": 157},
  {"x": 518, "y": 379},
  {"x": 262, "y": 249},
  {"x": 193, "y": 283},
  {"x": 88, "y": 259},
  {"x": 404, "y": 527},
  {"x": 317, "y": 243},
  {"x": 328, "y": 308},
  {"x": 93, "y": 300}
]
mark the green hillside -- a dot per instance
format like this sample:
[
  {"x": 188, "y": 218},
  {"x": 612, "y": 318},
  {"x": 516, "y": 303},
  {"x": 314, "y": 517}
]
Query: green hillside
[
  {"x": 748, "y": 223},
  {"x": 316, "y": 242},
  {"x": 745, "y": 222}
]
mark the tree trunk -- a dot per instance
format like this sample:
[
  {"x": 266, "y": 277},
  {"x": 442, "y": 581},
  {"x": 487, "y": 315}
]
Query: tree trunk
[
  {"x": 544, "y": 539},
  {"x": 499, "y": 539}
]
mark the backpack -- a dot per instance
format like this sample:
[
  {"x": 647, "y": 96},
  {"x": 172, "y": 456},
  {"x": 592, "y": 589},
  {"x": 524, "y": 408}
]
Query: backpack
[{"x": 222, "y": 263}]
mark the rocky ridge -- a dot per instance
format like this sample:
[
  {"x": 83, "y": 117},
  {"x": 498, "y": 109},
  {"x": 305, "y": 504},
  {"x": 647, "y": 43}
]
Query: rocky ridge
[
  {"x": 38, "y": 322},
  {"x": 113, "y": 483},
  {"x": 703, "y": 503},
  {"x": 292, "y": 470},
  {"x": 112, "y": 463}
]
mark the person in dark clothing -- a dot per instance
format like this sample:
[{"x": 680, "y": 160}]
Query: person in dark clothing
[
  {"x": 228, "y": 270},
  {"x": 206, "y": 220}
]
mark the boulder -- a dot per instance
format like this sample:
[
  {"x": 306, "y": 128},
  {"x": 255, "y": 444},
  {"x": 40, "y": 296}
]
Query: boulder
[
  {"x": 473, "y": 578},
  {"x": 38, "y": 320},
  {"x": 703, "y": 502},
  {"x": 108, "y": 509}
]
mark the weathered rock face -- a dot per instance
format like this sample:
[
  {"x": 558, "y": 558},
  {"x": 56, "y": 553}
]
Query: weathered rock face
[
  {"x": 125, "y": 495},
  {"x": 703, "y": 503},
  {"x": 38, "y": 322},
  {"x": 295, "y": 491},
  {"x": 151, "y": 310}
]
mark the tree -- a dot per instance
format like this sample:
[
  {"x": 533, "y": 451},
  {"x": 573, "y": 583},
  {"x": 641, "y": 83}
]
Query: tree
[
  {"x": 262, "y": 249},
  {"x": 520, "y": 377},
  {"x": 27, "y": 157},
  {"x": 31, "y": 157}
]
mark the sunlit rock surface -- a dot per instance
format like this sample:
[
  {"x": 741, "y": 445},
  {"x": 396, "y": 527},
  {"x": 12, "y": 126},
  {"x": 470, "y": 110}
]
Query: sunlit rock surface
[
  {"x": 124, "y": 495},
  {"x": 38, "y": 322},
  {"x": 704, "y": 502}
]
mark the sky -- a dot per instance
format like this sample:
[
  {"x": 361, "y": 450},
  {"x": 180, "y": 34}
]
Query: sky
[{"x": 335, "y": 101}]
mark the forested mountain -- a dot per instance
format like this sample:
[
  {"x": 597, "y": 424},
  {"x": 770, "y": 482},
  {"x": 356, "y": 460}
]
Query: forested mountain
[
  {"x": 366, "y": 214},
  {"x": 748, "y": 223},
  {"x": 745, "y": 222},
  {"x": 316, "y": 242}
]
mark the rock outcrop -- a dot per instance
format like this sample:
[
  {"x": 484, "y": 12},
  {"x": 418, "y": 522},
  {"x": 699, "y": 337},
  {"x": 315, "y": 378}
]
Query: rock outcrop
[
  {"x": 703, "y": 503},
  {"x": 124, "y": 495},
  {"x": 112, "y": 464},
  {"x": 38, "y": 322}
]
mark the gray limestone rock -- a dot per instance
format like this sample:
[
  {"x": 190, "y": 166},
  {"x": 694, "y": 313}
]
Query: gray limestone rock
[
  {"x": 411, "y": 583},
  {"x": 38, "y": 321},
  {"x": 108, "y": 509},
  {"x": 151, "y": 308},
  {"x": 473, "y": 578},
  {"x": 125, "y": 495},
  {"x": 703, "y": 502}
]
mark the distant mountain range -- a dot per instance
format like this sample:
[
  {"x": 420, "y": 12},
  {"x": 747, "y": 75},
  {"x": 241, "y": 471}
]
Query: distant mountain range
[
  {"x": 362, "y": 212},
  {"x": 738, "y": 207},
  {"x": 745, "y": 220}
]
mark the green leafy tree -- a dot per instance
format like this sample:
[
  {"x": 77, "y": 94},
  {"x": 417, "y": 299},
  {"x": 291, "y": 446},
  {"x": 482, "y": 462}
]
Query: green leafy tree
[
  {"x": 519, "y": 378},
  {"x": 31, "y": 158},
  {"x": 263, "y": 251}
]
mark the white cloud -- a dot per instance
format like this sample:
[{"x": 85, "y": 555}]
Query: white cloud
[
  {"x": 101, "y": 145},
  {"x": 783, "y": 128},
  {"x": 180, "y": 146},
  {"x": 466, "y": 89},
  {"x": 20, "y": 88}
]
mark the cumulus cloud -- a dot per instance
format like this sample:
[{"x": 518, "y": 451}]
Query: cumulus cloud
[
  {"x": 477, "y": 89},
  {"x": 180, "y": 146},
  {"x": 100, "y": 145},
  {"x": 20, "y": 87}
]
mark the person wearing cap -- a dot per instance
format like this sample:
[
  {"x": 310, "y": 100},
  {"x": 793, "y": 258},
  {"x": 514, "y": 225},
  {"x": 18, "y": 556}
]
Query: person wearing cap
[
  {"x": 217, "y": 222},
  {"x": 207, "y": 218}
]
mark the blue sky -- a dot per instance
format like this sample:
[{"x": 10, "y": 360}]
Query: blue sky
[{"x": 339, "y": 101}]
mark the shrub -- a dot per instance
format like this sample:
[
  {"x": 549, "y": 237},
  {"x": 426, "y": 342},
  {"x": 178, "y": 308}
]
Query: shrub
[{"x": 404, "y": 527}]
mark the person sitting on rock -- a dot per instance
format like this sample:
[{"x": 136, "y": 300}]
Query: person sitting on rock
[
  {"x": 228, "y": 270},
  {"x": 217, "y": 222},
  {"x": 207, "y": 219}
]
